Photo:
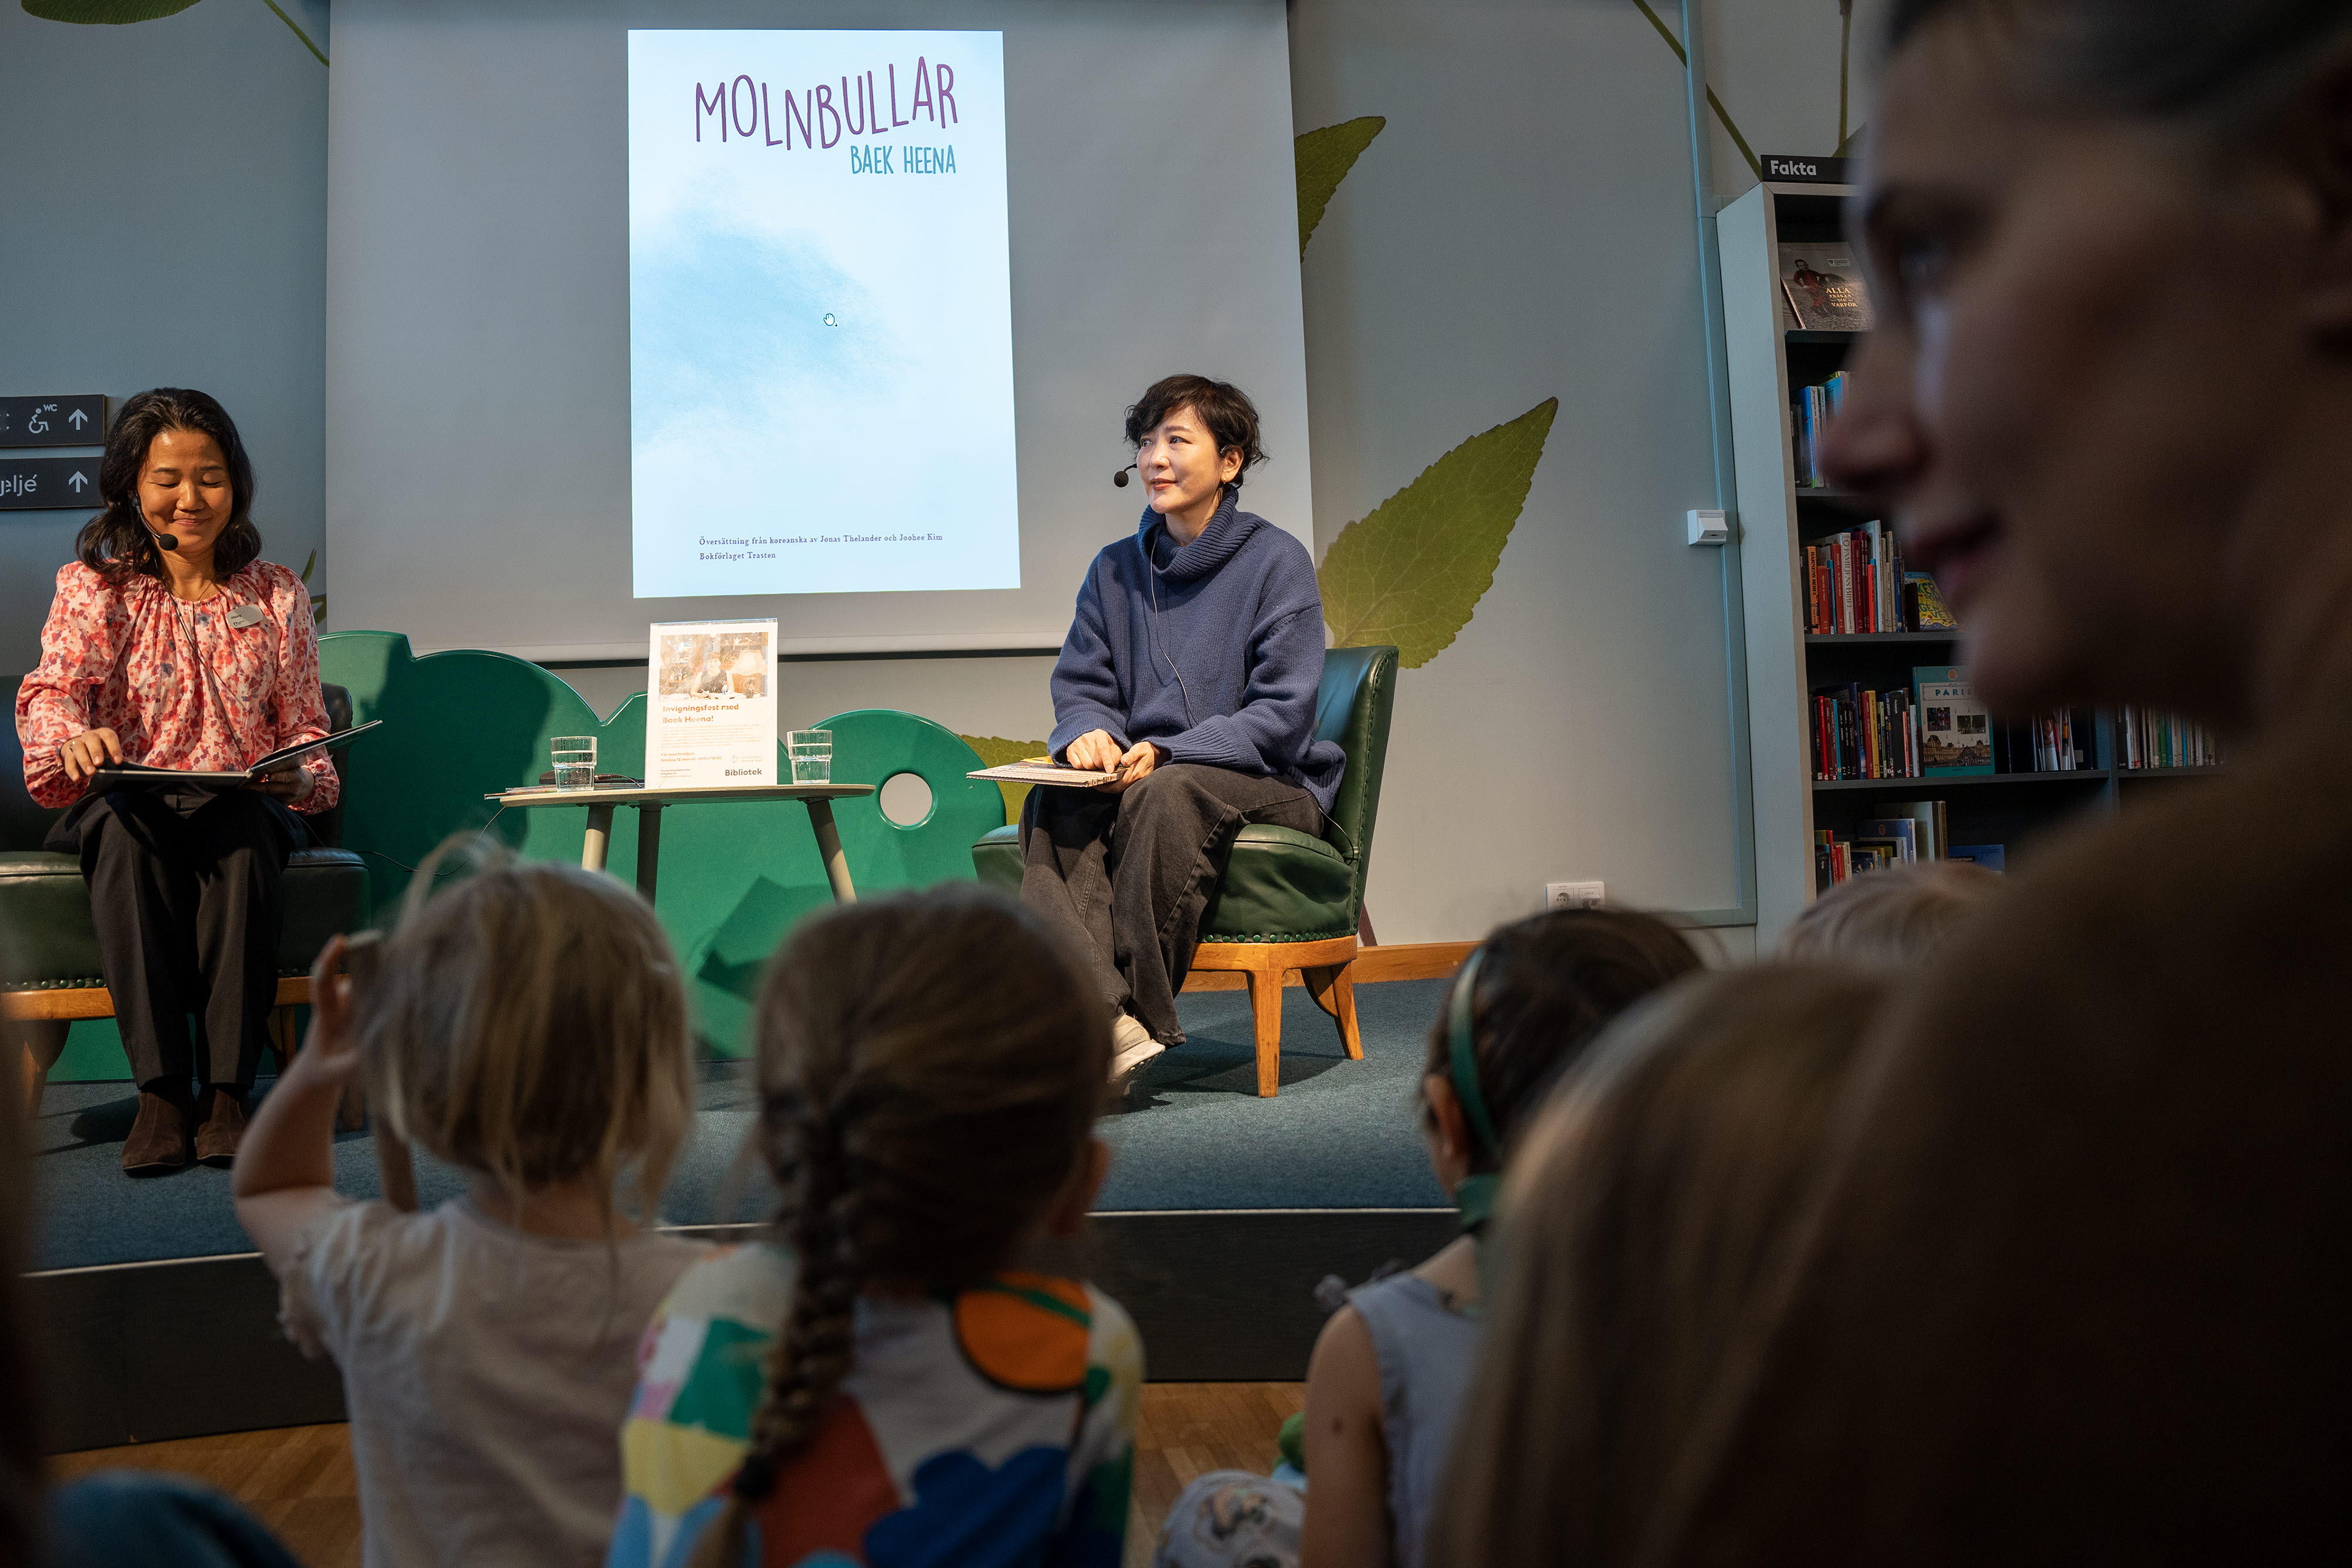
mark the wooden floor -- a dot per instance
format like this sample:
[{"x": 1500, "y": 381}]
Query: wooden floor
[{"x": 299, "y": 1479}]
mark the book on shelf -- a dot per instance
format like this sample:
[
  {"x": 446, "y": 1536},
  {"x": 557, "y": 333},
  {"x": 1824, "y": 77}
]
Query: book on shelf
[
  {"x": 1837, "y": 860},
  {"x": 1992, "y": 857},
  {"x": 1822, "y": 287},
  {"x": 1861, "y": 733},
  {"x": 1854, "y": 583},
  {"x": 1922, "y": 605},
  {"x": 1900, "y": 831},
  {"x": 1954, "y": 729},
  {"x": 1810, "y": 411},
  {"x": 1934, "y": 834},
  {"x": 1911, "y": 834},
  {"x": 2148, "y": 739},
  {"x": 2056, "y": 746}
]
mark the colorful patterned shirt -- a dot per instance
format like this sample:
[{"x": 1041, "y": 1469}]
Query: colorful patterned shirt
[
  {"x": 178, "y": 683},
  {"x": 994, "y": 1428}
]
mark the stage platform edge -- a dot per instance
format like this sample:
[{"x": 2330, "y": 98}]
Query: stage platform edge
[{"x": 138, "y": 1352}]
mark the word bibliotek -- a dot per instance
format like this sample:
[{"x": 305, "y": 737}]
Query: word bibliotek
[
  {"x": 817, "y": 118},
  {"x": 48, "y": 484}
]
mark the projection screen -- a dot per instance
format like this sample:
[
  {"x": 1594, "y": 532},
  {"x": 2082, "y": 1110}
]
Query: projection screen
[{"x": 1121, "y": 205}]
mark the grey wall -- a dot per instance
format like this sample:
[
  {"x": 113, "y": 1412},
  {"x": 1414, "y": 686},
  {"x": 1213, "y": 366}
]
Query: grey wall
[
  {"x": 1522, "y": 230},
  {"x": 163, "y": 222},
  {"x": 477, "y": 240}
]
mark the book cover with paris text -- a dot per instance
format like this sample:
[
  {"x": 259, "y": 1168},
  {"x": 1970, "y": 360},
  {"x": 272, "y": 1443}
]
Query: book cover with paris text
[{"x": 1954, "y": 731}]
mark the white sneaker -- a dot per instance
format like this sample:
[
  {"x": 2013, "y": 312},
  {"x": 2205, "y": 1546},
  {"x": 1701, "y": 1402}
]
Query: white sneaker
[{"x": 1132, "y": 1045}]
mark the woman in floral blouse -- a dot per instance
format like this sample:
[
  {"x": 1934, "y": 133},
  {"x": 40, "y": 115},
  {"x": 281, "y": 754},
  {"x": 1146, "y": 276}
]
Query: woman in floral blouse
[{"x": 171, "y": 643}]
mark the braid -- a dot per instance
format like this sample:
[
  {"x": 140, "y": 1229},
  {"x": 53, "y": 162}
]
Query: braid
[
  {"x": 813, "y": 1352},
  {"x": 930, "y": 1067}
]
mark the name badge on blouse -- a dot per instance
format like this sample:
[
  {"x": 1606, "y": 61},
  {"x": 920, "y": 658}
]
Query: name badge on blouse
[{"x": 244, "y": 615}]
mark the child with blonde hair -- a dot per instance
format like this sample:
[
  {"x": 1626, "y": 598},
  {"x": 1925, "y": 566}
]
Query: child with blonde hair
[
  {"x": 1899, "y": 918},
  {"x": 881, "y": 1381},
  {"x": 527, "y": 1025}
]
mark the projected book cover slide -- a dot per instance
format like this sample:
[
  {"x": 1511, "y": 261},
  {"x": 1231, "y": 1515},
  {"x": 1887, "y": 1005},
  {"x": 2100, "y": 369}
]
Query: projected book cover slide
[{"x": 820, "y": 313}]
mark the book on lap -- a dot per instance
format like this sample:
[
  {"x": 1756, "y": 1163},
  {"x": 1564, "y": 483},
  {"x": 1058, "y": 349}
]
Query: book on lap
[
  {"x": 125, "y": 775},
  {"x": 1043, "y": 770}
]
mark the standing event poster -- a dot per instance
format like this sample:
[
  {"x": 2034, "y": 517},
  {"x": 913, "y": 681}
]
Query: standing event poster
[{"x": 711, "y": 724}]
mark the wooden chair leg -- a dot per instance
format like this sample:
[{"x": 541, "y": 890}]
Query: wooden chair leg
[
  {"x": 283, "y": 1041},
  {"x": 1265, "y": 1014},
  {"x": 43, "y": 1041},
  {"x": 1333, "y": 988}
]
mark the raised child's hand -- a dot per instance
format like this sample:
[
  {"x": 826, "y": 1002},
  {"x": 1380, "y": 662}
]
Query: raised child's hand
[{"x": 329, "y": 1054}]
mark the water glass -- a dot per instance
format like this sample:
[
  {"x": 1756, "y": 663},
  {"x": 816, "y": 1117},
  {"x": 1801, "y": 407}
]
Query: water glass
[
  {"x": 812, "y": 754},
  {"x": 575, "y": 760}
]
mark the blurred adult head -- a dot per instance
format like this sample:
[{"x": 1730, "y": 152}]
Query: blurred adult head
[
  {"x": 1651, "y": 1201},
  {"x": 2110, "y": 246}
]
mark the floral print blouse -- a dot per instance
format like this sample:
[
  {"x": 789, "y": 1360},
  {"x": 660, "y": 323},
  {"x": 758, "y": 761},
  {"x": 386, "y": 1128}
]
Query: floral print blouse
[{"x": 181, "y": 684}]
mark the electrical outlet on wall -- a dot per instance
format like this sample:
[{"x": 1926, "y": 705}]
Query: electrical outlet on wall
[{"x": 1574, "y": 895}]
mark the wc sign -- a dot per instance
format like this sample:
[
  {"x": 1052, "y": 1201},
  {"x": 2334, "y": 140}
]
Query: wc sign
[
  {"x": 48, "y": 483},
  {"x": 56, "y": 420}
]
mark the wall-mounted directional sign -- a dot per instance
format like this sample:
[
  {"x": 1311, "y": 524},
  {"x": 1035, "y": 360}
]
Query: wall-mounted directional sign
[
  {"x": 48, "y": 483},
  {"x": 59, "y": 420}
]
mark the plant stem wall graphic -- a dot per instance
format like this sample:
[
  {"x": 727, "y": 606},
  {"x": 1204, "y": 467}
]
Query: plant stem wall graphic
[
  {"x": 1414, "y": 568},
  {"x": 1325, "y": 157},
  {"x": 1713, "y": 102},
  {"x": 116, "y": 12}
]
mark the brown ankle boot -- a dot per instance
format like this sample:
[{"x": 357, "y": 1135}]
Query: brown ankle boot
[
  {"x": 159, "y": 1138},
  {"x": 220, "y": 1125}
]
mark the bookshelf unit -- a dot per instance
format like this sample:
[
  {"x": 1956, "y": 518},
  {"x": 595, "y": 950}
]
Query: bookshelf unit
[{"x": 1768, "y": 362}]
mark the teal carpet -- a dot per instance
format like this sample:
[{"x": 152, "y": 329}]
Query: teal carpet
[{"x": 1192, "y": 1135}]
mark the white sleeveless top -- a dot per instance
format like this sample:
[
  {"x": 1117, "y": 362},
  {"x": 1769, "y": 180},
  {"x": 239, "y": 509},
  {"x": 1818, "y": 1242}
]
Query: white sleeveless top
[{"x": 1425, "y": 1351}]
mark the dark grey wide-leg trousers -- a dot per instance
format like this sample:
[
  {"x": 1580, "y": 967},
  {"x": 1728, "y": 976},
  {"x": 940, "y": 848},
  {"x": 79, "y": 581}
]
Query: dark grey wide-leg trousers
[
  {"x": 188, "y": 895},
  {"x": 1124, "y": 878}
]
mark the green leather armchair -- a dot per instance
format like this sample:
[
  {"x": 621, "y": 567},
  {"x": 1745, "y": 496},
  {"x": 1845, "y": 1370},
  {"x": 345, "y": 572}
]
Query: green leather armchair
[
  {"x": 1288, "y": 900},
  {"x": 50, "y": 968}
]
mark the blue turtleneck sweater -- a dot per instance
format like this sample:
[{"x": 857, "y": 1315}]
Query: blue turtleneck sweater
[{"x": 1238, "y": 616}]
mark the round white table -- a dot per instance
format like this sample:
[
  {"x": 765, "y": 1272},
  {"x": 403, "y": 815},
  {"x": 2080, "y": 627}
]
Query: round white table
[{"x": 650, "y": 801}]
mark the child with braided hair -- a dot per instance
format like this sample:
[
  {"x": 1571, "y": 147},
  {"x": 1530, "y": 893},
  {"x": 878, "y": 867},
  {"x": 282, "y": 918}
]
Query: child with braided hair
[{"x": 881, "y": 1381}]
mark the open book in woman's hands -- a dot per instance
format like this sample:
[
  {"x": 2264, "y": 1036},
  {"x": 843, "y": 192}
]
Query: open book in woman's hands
[
  {"x": 1043, "y": 770},
  {"x": 124, "y": 775}
]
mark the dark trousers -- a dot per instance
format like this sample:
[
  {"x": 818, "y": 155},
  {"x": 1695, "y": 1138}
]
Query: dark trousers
[
  {"x": 1124, "y": 878},
  {"x": 187, "y": 892}
]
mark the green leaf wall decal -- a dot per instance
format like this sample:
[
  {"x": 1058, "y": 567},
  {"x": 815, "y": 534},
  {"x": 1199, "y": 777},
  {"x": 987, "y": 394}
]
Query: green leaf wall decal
[
  {"x": 1412, "y": 571},
  {"x": 1325, "y": 157},
  {"x": 110, "y": 12},
  {"x": 995, "y": 751}
]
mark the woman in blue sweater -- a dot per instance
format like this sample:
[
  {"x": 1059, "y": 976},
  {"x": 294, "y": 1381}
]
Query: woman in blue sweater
[{"x": 1190, "y": 670}]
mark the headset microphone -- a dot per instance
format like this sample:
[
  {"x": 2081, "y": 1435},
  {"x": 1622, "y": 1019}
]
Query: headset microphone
[
  {"x": 167, "y": 541},
  {"x": 1119, "y": 478}
]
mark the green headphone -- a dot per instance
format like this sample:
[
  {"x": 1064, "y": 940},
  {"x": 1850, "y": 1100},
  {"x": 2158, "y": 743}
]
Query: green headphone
[{"x": 1474, "y": 1198}]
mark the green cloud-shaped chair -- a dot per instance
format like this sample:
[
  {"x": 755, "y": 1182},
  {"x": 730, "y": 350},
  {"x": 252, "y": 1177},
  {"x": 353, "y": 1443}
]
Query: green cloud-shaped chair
[
  {"x": 735, "y": 878},
  {"x": 1288, "y": 900}
]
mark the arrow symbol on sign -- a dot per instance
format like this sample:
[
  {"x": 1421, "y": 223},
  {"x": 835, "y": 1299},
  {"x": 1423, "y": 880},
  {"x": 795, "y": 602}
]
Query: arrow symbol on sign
[
  {"x": 76, "y": 419},
  {"x": 77, "y": 481}
]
